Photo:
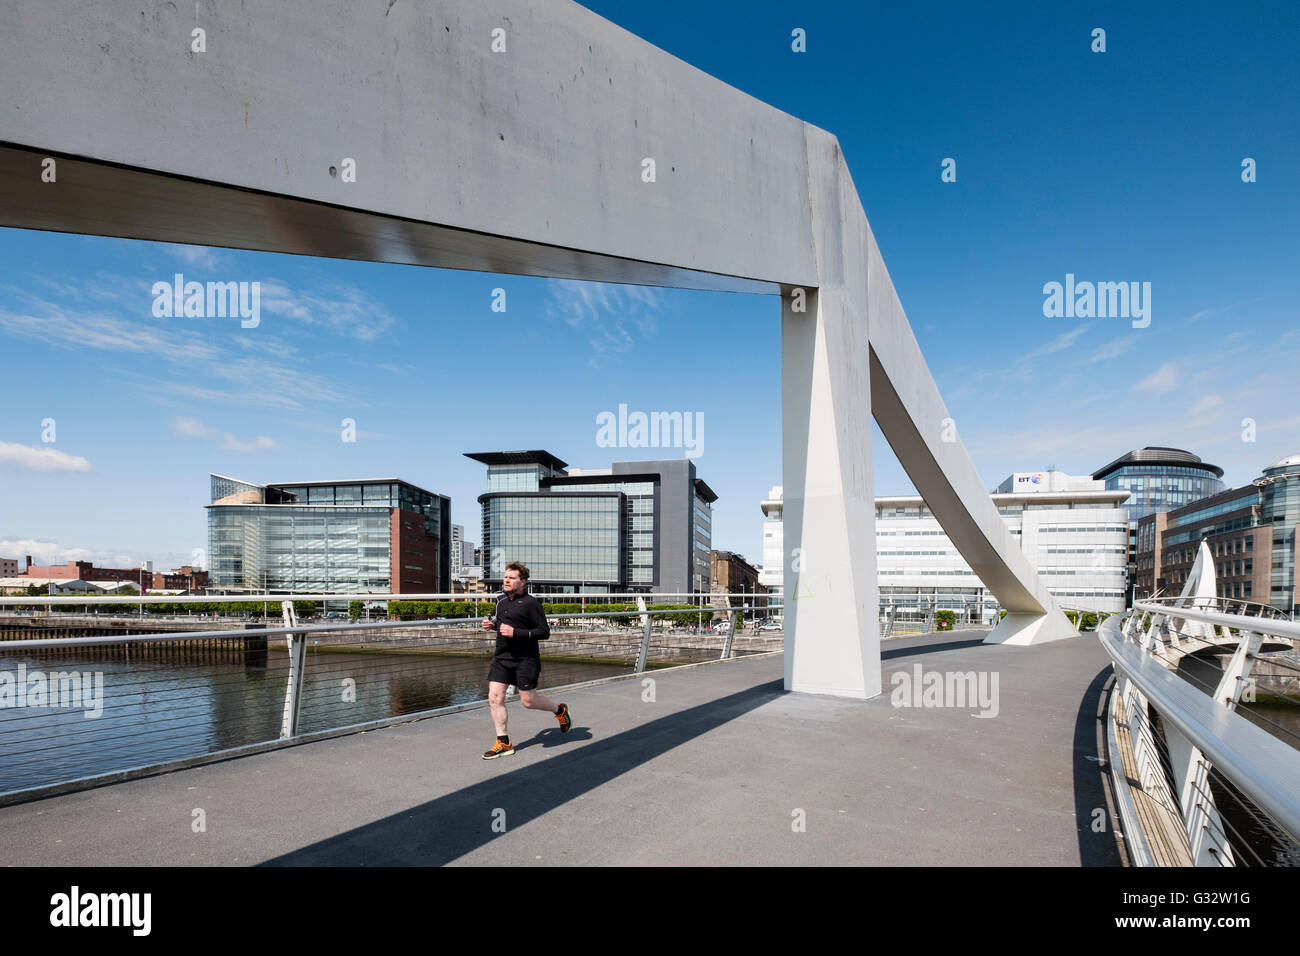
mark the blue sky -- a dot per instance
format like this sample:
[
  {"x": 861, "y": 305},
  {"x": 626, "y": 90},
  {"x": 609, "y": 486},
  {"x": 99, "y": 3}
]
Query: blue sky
[{"x": 1115, "y": 166}]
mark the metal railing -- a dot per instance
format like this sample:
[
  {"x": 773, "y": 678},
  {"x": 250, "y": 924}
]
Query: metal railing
[
  {"x": 1209, "y": 786},
  {"x": 78, "y": 708}
]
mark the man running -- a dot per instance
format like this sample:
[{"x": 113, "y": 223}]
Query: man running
[{"x": 520, "y": 623}]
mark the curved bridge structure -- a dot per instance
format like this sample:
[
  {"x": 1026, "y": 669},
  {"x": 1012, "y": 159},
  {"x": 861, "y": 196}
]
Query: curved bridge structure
[{"x": 524, "y": 137}]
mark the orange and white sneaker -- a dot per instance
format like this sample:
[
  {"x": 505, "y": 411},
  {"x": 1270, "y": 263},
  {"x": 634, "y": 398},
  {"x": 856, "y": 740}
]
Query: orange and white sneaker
[
  {"x": 565, "y": 720},
  {"x": 500, "y": 750}
]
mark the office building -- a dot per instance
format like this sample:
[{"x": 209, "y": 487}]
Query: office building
[
  {"x": 457, "y": 549},
  {"x": 772, "y": 574},
  {"x": 1072, "y": 529},
  {"x": 8, "y": 567},
  {"x": 636, "y": 526},
  {"x": 1157, "y": 479},
  {"x": 1251, "y": 532},
  {"x": 380, "y": 534},
  {"x": 1160, "y": 479}
]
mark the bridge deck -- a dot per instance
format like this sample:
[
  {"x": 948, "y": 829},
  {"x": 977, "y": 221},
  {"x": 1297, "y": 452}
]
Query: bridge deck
[{"x": 711, "y": 772}]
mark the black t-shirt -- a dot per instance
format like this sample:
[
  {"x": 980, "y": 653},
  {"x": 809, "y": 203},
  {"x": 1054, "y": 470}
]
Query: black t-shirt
[{"x": 524, "y": 613}]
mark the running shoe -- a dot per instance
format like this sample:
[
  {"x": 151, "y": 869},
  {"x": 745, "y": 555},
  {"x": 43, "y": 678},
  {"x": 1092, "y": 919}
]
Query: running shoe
[
  {"x": 500, "y": 750},
  {"x": 565, "y": 720}
]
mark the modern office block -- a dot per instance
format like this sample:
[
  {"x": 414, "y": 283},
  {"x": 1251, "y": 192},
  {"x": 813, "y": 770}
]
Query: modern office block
[
  {"x": 1160, "y": 479},
  {"x": 1251, "y": 533},
  {"x": 636, "y": 526},
  {"x": 382, "y": 535}
]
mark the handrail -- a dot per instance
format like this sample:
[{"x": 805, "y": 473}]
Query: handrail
[
  {"x": 265, "y": 597},
  {"x": 307, "y": 628},
  {"x": 1246, "y": 622},
  {"x": 1264, "y": 768}
]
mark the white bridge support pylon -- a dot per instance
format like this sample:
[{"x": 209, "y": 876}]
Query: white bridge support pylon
[{"x": 527, "y": 137}]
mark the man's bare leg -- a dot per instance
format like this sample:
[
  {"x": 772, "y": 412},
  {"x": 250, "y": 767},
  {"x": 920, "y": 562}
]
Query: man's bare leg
[
  {"x": 497, "y": 705},
  {"x": 535, "y": 701}
]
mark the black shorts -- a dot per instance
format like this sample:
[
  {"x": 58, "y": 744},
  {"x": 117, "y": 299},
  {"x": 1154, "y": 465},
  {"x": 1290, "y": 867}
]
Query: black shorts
[{"x": 523, "y": 672}]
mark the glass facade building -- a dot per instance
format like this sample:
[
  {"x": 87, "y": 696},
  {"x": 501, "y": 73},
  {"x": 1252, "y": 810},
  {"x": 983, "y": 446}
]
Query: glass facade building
[
  {"x": 571, "y": 537},
  {"x": 1279, "y": 506},
  {"x": 1251, "y": 534},
  {"x": 1160, "y": 479},
  {"x": 638, "y": 526},
  {"x": 381, "y": 535},
  {"x": 1157, "y": 479}
]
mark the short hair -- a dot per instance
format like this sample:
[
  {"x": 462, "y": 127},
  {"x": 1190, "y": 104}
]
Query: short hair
[{"x": 516, "y": 566}]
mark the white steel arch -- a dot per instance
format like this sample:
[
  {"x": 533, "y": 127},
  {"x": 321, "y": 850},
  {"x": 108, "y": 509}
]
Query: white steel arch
[{"x": 523, "y": 137}]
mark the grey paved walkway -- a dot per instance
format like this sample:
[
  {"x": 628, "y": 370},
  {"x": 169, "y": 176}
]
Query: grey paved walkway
[{"x": 712, "y": 772}]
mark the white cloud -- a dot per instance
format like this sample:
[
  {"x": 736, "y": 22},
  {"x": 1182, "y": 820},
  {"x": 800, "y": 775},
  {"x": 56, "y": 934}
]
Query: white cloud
[
  {"x": 51, "y": 323},
  {"x": 344, "y": 309},
  {"x": 615, "y": 318},
  {"x": 261, "y": 380},
  {"x": 1218, "y": 310},
  {"x": 53, "y": 553},
  {"x": 41, "y": 458},
  {"x": 1164, "y": 379},
  {"x": 194, "y": 428},
  {"x": 1205, "y": 404},
  {"x": 219, "y": 396},
  {"x": 200, "y": 256},
  {"x": 234, "y": 444},
  {"x": 1063, "y": 341},
  {"x": 1112, "y": 349}
]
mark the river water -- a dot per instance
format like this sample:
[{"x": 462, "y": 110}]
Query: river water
[{"x": 162, "y": 707}]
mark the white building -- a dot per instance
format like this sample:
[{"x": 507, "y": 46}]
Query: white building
[
  {"x": 772, "y": 572},
  {"x": 457, "y": 549},
  {"x": 1071, "y": 528}
]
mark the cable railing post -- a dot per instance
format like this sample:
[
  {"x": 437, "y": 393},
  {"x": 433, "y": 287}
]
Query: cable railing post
[
  {"x": 297, "y": 660},
  {"x": 644, "y": 652},
  {"x": 1237, "y": 672},
  {"x": 732, "y": 620}
]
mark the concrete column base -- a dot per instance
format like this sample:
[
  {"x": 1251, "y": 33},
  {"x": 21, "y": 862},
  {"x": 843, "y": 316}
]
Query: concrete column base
[{"x": 1022, "y": 629}]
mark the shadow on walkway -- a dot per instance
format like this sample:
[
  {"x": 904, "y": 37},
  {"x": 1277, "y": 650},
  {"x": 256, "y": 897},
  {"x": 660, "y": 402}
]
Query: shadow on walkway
[
  {"x": 451, "y": 826},
  {"x": 1095, "y": 849},
  {"x": 888, "y": 653}
]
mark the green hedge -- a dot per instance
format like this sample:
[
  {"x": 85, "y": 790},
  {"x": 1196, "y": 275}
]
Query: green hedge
[
  {"x": 945, "y": 620},
  {"x": 1089, "y": 619}
]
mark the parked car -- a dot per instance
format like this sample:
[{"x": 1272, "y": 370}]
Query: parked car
[{"x": 771, "y": 627}]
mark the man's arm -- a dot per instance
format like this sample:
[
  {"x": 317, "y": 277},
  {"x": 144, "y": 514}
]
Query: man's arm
[
  {"x": 541, "y": 631},
  {"x": 538, "y": 630}
]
